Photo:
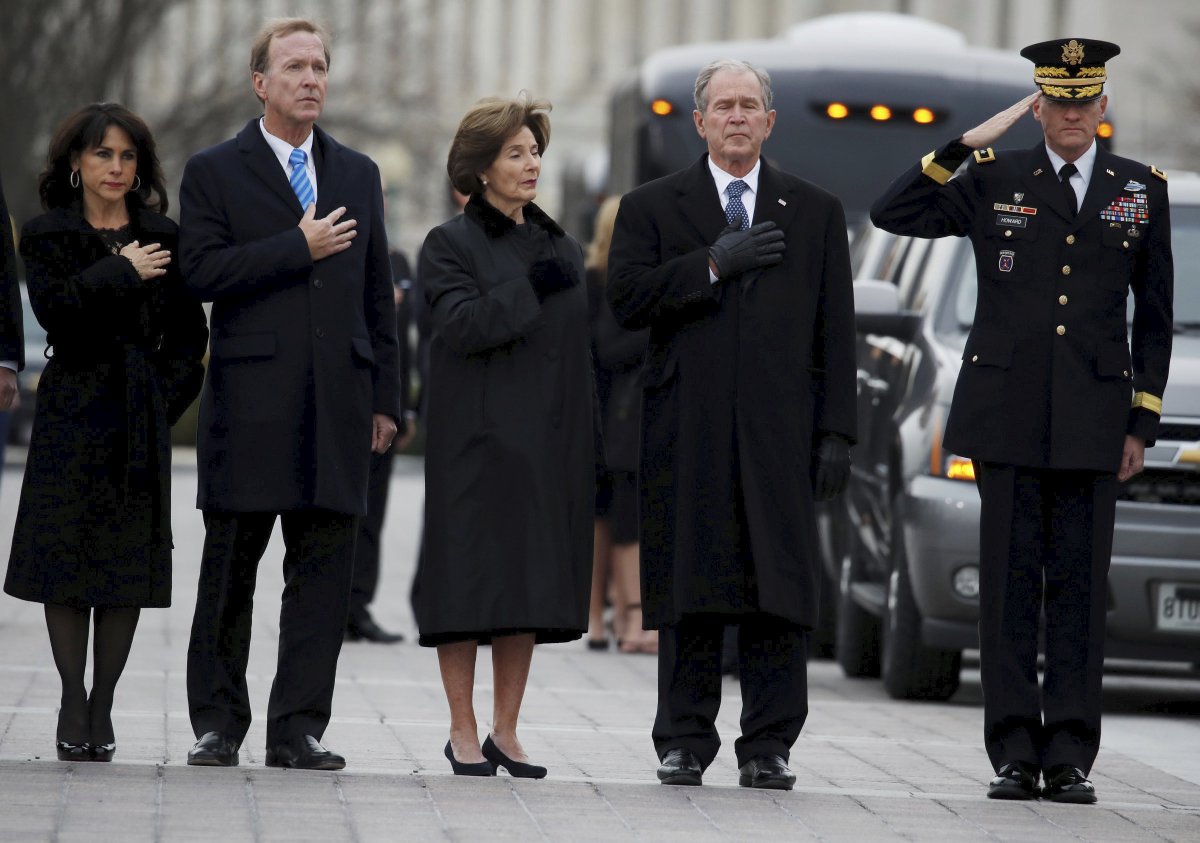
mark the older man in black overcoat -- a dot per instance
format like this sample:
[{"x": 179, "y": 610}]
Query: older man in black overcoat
[
  {"x": 302, "y": 386},
  {"x": 1056, "y": 399},
  {"x": 749, "y": 404}
]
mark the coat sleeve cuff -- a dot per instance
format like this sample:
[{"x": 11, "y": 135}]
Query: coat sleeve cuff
[
  {"x": 1143, "y": 423},
  {"x": 940, "y": 164}
]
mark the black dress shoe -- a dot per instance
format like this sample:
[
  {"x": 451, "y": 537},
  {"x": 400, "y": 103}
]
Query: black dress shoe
[
  {"x": 214, "y": 750},
  {"x": 1065, "y": 783},
  {"x": 1017, "y": 780},
  {"x": 304, "y": 754},
  {"x": 68, "y": 751},
  {"x": 365, "y": 629},
  {"x": 766, "y": 771},
  {"x": 103, "y": 752},
  {"x": 680, "y": 766},
  {"x": 516, "y": 769},
  {"x": 462, "y": 768}
]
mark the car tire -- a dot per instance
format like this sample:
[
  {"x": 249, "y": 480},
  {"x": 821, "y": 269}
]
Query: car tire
[
  {"x": 857, "y": 629},
  {"x": 911, "y": 670}
]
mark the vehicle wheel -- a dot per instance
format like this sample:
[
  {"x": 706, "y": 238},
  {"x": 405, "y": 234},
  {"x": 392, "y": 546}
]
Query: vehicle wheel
[
  {"x": 911, "y": 670},
  {"x": 822, "y": 641},
  {"x": 857, "y": 629}
]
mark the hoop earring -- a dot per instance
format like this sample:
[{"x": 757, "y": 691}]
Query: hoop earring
[
  {"x": 73, "y": 179},
  {"x": 137, "y": 183}
]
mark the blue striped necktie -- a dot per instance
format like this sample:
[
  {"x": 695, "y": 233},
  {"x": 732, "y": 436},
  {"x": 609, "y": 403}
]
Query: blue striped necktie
[
  {"x": 299, "y": 178},
  {"x": 735, "y": 211}
]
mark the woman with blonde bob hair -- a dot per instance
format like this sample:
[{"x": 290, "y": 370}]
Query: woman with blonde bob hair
[{"x": 512, "y": 447}]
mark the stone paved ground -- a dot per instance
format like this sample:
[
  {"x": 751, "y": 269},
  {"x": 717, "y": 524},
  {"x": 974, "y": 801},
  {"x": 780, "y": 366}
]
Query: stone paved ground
[{"x": 868, "y": 768}]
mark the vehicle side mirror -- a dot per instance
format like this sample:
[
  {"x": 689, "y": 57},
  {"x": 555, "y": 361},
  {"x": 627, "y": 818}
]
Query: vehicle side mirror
[{"x": 877, "y": 311}]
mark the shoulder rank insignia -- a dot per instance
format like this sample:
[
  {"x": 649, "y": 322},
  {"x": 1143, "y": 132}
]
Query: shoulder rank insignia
[
  {"x": 1157, "y": 172},
  {"x": 984, "y": 156}
]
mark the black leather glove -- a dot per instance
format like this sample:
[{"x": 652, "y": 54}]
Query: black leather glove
[
  {"x": 736, "y": 251},
  {"x": 552, "y": 275},
  {"x": 831, "y": 467}
]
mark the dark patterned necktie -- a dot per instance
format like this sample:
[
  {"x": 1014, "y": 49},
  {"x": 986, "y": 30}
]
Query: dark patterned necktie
[
  {"x": 1065, "y": 174},
  {"x": 735, "y": 211}
]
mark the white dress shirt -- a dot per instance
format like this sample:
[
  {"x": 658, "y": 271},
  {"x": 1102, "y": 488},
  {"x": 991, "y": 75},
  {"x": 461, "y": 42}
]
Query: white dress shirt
[
  {"x": 1081, "y": 179},
  {"x": 283, "y": 151},
  {"x": 722, "y": 180}
]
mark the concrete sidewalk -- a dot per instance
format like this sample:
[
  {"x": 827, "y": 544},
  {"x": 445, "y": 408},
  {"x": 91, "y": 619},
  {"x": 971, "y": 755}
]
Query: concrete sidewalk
[{"x": 868, "y": 768}]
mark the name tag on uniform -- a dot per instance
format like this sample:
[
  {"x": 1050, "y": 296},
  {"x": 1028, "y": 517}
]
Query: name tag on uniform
[{"x": 1011, "y": 221}]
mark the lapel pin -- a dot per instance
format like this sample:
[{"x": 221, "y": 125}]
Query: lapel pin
[
  {"x": 781, "y": 202},
  {"x": 1038, "y": 171},
  {"x": 1110, "y": 172}
]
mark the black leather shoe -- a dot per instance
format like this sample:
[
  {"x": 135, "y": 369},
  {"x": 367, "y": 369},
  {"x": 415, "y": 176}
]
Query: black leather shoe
[
  {"x": 103, "y": 751},
  {"x": 516, "y": 769},
  {"x": 1017, "y": 780},
  {"x": 464, "y": 768},
  {"x": 766, "y": 771},
  {"x": 214, "y": 750},
  {"x": 68, "y": 751},
  {"x": 680, "y": 766},
  {"x": 365, "y": 629},
  {"x": 304, "y": 754},
  {"x": 1065, "y": 783}
]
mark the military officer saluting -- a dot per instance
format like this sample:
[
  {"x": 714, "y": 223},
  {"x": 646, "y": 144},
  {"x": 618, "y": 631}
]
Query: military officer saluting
[{"x": 1056, "y": 399}]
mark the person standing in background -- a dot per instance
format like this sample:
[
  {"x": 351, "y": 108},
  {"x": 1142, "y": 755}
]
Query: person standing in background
[{"x": 12, "y": 335}]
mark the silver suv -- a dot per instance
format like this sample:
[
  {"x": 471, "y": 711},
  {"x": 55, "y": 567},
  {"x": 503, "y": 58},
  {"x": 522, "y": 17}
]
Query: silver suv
[{"x": 902, "y": 543}]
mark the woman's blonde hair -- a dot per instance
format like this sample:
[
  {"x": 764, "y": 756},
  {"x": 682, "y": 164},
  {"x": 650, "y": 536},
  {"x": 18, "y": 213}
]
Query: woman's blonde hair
[
  {"x": 483, "y": 131},
  {"x": 606, "y": 218}
]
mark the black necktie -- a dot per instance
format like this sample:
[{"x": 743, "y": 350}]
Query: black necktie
[{"x": 1065, "y": 174}]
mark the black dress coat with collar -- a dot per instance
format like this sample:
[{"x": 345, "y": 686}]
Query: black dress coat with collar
[
  {"x": 1048, "y": 379},
  {"x": 12, "y": 335},
  {"x": 740, "y": 378},
  {"x": 93, "y": 526},
  {"x": 512, "y": 444},
  {"x": 302, "y": 353}
]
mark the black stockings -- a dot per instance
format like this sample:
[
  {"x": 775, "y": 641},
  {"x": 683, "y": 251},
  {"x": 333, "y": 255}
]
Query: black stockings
[{"x": 80, "y": 719}]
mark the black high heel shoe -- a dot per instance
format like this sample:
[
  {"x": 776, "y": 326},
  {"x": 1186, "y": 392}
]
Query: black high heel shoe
[
  {"x": 516, "y": 769},
  {"x": 482, "y": 768},
  {"x": 103, "y": 752},
  {"x": 68, "y": 751}
]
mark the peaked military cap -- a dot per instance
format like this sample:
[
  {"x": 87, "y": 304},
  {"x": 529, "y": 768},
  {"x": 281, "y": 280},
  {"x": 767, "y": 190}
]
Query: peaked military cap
[{"x": 1070, "y": 69}]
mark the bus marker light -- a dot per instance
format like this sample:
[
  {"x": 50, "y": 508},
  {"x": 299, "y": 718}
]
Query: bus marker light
[
  {"x": 837, "y": 111},
  {"x": 662, "y": 107},
  {"x": 923, "y": 115},
  {"x": 881, "y": 112}
]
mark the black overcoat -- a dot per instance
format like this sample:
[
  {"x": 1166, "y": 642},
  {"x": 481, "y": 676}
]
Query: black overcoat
[
  {"x": 12, "y": 334},
  {"x": 1047, "y": 377},
  {"x": 619, "y": 355},
  {"x": 302, "y": 354},
  {"x": 511, "y": 452},
  {"x": 739, "y": 378},
  {"x": 93, "y": 525}
]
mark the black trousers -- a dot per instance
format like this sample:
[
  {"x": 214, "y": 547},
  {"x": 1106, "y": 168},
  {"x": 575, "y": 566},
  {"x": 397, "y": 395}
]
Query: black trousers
[
  {"x": 317, "y": 565},
  {"x": 773, "y": 671},
  {"x": 1045, "y": 544},
  {"x": 366, "y": 548}
]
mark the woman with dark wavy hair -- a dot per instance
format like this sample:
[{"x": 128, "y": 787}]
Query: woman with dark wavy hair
[{"x": 92, "y": 539}]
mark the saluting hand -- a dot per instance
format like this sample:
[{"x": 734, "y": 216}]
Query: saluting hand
[
  {"x": 326, "y": 236},
  {"x": 990, "y": 130},
  {"x": 149, "y": 261}
]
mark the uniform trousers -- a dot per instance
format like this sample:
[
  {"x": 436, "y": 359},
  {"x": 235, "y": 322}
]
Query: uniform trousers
[
  {"x": 1045, "y": 546},
  {"x": 317, "y": 567},
  {"x": 773, "y": 671}
]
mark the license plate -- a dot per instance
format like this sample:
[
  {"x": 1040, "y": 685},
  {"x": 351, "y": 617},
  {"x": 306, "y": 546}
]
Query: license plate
[{"x": 1178, "y": 607}]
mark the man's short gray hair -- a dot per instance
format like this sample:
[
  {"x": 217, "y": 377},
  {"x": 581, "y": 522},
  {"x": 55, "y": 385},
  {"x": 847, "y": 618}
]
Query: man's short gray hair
[{"x": 734, "y": 66}]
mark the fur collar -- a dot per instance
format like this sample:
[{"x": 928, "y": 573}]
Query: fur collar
[{"x": 495, "y": 224}]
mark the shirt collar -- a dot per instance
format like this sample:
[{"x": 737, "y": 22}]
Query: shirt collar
[
  {"x": 283, "y": 149},
  {"x": 1084, "y": 164},
  {"x": 723, "y": 178}
]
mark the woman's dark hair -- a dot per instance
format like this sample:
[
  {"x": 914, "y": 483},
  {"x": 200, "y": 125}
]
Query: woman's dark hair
[
  {"x": 85, "y": 130},
  {"x": 482, "y": 134}
]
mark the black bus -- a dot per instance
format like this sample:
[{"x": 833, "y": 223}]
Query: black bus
[{"x": 859, "y": 97}]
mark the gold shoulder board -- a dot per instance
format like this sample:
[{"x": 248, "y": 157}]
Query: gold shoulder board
[
  {"x": 984, "y": 156},
  {"x": 1155, "y": 171}
]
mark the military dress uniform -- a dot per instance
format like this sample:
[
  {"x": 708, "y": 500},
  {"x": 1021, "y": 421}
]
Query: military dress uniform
[{"x": 1052, "y": 380}]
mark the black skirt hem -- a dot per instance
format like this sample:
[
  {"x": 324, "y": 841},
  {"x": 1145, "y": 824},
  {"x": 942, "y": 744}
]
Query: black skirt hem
[{"x": 541, "y": 636}]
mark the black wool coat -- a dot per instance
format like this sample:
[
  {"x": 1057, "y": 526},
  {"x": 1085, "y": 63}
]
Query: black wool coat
[
  {"x": 12, "y": 334},
  {"x": 93, "y": 525},
  {"x": 619, "y": 355},
  {"x": 302, "y": 353},
  {"x": 740, "y": 378},
  {"x": 511, "y": 450},
  {"x": 1048, "y": 379}
]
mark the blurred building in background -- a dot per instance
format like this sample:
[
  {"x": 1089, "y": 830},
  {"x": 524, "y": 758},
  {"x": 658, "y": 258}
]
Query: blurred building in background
[{"x": 404, "y": 71}]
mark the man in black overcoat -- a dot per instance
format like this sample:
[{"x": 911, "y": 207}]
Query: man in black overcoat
[
  {"x": 748, "y": 410},
  {"x": 12, "y": 336},
  {"x": 1051, "y": 404},
  {"x": 282, "y": 230}
]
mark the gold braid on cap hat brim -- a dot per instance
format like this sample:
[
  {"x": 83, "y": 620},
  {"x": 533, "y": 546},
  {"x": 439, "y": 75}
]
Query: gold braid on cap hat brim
[
  {"x": 1081, "y": 75},
  {"x": 1071, "y": 93},
  {"x": 1069, "y": 83}
]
